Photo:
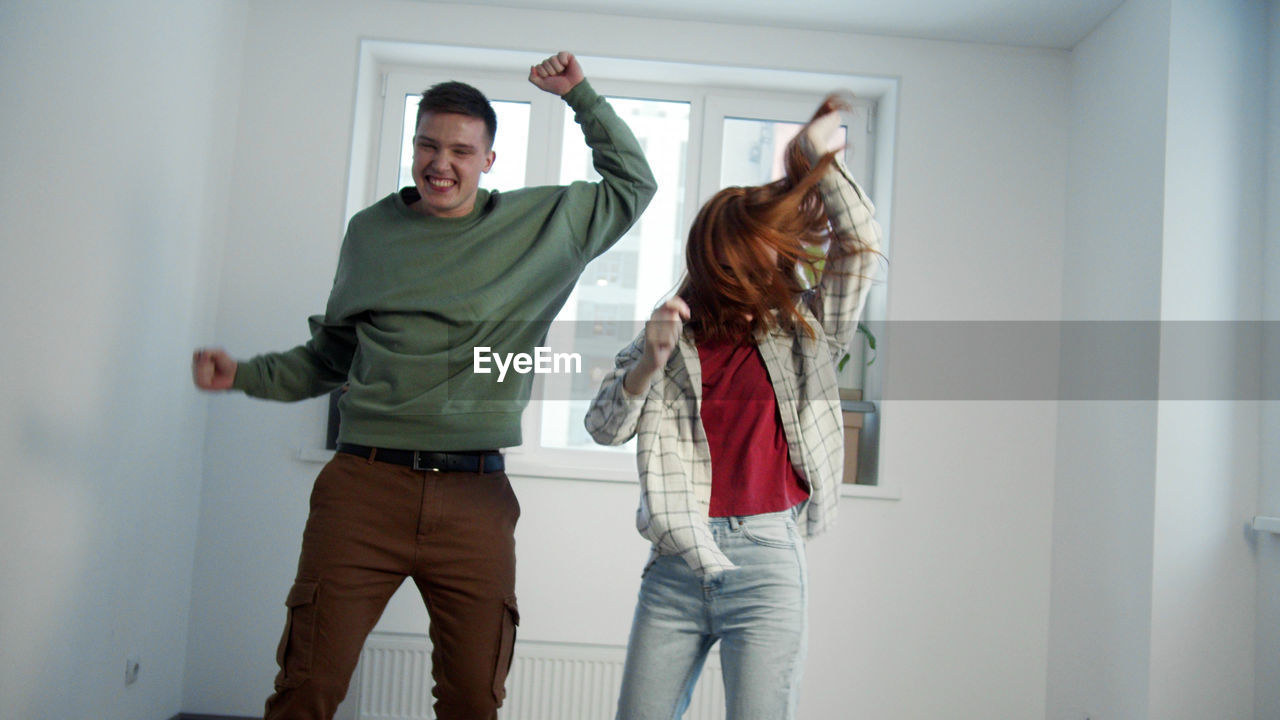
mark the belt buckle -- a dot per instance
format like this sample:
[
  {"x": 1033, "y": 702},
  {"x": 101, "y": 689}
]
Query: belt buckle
[{"x": 418, "y": 457}]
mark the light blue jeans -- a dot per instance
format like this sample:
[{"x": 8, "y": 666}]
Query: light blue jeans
[{"x": 758, "y": 612}]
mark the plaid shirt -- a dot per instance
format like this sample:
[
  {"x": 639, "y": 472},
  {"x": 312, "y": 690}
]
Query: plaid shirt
[{"x": 673, "y": 456}]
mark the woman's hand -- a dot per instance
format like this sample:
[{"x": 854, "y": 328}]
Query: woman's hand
[
  {"x": 661, "y": 334},
  {"x": 821, "y": 130}
]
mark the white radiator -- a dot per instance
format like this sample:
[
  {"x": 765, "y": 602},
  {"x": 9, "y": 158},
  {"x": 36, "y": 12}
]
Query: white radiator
[{"x": 548, "y": 681}]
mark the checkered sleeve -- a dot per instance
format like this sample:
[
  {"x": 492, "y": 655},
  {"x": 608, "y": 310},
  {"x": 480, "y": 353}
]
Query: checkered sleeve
[
  {"x": 852, "y": 258},
  {"x": 612, "y": 417}
]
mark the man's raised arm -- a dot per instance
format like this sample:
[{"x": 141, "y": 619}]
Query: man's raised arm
[{"x": 627, "y": 183}]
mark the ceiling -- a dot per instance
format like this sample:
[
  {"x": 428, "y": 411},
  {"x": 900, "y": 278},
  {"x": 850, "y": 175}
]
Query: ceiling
[{"x": 1034, "y": 23}]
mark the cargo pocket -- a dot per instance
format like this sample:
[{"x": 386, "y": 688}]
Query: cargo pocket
[
  {"x": 506, "y": 648},
  {"x": 298, "y": 641}
]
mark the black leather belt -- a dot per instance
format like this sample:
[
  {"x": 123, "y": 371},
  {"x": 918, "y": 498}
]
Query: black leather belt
[{"x": 476, "y": 461}]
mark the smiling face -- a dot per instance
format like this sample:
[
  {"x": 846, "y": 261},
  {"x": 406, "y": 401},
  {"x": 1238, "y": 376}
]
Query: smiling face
[{"x": 450, "y": 151}]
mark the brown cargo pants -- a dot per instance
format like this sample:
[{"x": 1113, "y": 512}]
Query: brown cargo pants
[{"x": 373, "y": 524}]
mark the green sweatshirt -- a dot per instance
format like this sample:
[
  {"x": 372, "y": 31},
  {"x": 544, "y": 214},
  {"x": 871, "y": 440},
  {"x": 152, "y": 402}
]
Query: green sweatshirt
[{"x": 414, "y": 295}]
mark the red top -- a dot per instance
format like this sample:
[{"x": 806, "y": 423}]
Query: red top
[{"x": 751, "y": 471}]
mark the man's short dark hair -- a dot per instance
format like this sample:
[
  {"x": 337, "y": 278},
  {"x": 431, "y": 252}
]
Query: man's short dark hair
[{"x": 461, "y": 98}]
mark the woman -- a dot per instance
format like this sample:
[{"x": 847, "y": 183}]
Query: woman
[{"x": 731, "y": 391}]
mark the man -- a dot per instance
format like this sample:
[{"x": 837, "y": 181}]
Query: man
[{"x": 417, "y": 487}]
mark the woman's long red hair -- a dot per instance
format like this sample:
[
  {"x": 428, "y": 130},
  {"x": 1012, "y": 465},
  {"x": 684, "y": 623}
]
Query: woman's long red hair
[{"x": 734, "y": 286}]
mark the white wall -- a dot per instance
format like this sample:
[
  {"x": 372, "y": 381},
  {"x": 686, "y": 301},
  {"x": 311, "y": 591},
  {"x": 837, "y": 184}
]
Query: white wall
[
  {"x": 1267, "y": 680},
  {"x": 1155, "y": 588},
  {"x": 116, "y": 131},
  {"x": 932, "y": 606},
  {"x": 1099, "y": 638},
  {"x": 1204, "y": 585}
]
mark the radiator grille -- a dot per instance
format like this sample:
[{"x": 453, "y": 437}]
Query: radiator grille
[{"x": 548, "y": 681}]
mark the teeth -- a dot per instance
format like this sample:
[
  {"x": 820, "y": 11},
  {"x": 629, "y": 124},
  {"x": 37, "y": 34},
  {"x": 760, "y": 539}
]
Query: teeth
[{"x": 439, "y": 183}]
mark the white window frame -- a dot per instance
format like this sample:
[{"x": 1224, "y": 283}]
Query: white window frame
[{"x": 388, "y": 70}]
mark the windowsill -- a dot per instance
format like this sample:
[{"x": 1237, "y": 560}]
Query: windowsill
[
  {"x": 603, "y": 470},
  {"x": 1262, "y": 523},
  {"x": 862, "y": 406},
  {"x": 870, "y": 492},
  {"x": 315, "y": 454}
]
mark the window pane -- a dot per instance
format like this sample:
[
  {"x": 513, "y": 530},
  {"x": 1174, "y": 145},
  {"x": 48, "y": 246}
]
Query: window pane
[
  {"x": 625, "y": 283},
  {"x": 751, "y": 153},
  {"x": 511, "y": 145}
]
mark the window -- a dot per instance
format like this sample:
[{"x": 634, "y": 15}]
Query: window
[
  {"x": 715, "y": 127},
  {"x": 625, "y": 283}
]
